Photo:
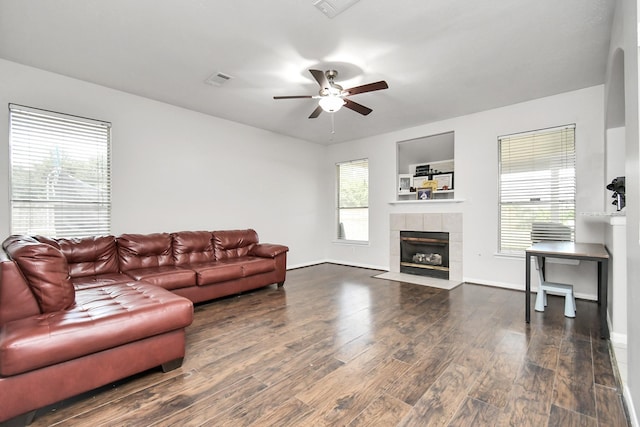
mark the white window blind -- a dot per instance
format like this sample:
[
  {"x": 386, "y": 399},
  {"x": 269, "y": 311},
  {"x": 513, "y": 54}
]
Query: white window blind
[
  {"x": 537, "y": 187},
  {"x": 60, "y": 174},
  {"x": 353, "y": 200}
]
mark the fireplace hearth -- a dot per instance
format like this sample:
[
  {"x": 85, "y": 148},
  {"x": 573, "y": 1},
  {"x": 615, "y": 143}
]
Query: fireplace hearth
[{"x": 425, "y": 253}]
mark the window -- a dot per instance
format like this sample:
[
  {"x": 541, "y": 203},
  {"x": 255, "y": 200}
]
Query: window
[
  {"x": 60, "y": 174},
  {"x": 537, "y": 187},
  {"x": 353, "y": 200}
]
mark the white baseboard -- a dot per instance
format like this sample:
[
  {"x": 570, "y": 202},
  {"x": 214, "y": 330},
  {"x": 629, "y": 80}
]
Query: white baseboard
[
  {"x": 579, "y": 295},
  {"x": 618, "y": 339},
  {"x": 305, "y": 264},
  {"x": 357, "y": 264},
  {"x": 493, "y": 283},
  {"x": 632, "y": 413},
  {"x": 333, "y": 261}
]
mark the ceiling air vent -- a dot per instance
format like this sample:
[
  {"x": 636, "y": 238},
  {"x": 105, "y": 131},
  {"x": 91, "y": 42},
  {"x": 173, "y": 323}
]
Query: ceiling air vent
[
  {"x": 218, "y": 79},
  {"x": 333, "y": 8}
]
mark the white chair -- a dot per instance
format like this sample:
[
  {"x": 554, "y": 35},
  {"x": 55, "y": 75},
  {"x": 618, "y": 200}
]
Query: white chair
[
  {"x": 556, "y": 288},
  {"x": 557, "y": 232}
]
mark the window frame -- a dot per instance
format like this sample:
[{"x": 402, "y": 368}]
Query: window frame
[
  {"x": 83, "y": 175},
  {"x": 339, "y": 230},
  {"x": 557, "y": 228}
]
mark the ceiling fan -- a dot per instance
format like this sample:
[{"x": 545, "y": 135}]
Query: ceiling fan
[{"x": 332, "y": 96}]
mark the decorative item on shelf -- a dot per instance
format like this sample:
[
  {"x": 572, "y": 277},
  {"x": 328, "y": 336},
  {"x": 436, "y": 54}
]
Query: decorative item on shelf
[
  {"x": 423, "y": 170},
  {"x": 444, "y": 181},
  {"x": 424, "y": 193},
  {"x": 404, "y": 183},
  {"x": 618, "y": 188},
  {"x": 424, "y": 182}
]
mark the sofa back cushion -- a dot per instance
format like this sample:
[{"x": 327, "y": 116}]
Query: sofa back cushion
[
  {"x": 16, "y": 298},
  {"x": 144, "y": 250},
  {"x": 45, "y": 269},
  {"x": 89, "y": 256},
  {"x": 233, "y": 243},
  {"x": 192, "y": 247}
]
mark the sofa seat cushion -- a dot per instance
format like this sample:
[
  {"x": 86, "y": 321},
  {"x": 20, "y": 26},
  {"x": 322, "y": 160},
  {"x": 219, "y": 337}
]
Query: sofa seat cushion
[
  {"x": 101, "y": 318},
  {"x": 168, "y": 276},
  {"x": 98, "y": 280},
  {"x": 232, "y": 269}
]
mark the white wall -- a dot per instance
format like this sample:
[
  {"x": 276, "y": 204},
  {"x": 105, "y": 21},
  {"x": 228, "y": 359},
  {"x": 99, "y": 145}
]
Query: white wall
[
  {"x": 476, "y": 181},
  {"x": 175, "y": 169},
  {"x": 624, "y": 37}
]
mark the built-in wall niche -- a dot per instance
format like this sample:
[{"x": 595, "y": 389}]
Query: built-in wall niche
[{"x": 426, "y": 162}]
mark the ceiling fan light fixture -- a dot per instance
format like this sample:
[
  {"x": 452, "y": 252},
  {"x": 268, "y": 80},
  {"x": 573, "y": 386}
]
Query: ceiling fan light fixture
[{"x": 331, "y": 103}]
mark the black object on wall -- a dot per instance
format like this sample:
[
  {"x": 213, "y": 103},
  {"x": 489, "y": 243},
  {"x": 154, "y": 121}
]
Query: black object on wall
[{"x": 618, "y": 188}]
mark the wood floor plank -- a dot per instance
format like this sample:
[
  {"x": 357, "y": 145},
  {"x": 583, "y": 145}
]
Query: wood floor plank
[
  {"x": 329, "y": 387},
  {"x": 560, "y": 417},
  {"x": 497, "y": 381},
  {"x": 291, "y": 413},
  {"x": 317, "y": 357},
  {"x": 610, "y": 408},
  {"x": 420, "y": 376},
  {"x": 602, "y": 369},
  {"x": 574, "y": 360},
  {"x": 383, "y": 411},
  {"x": 475, "y": 413},
  {"x": 96, "y": 400},
  {"x": 438, "y": 405},
  {"x": 335, "y": 346},
  {"x": 531, "y": 396},
  {"x": 203, "y": 410},
  {"x": 544, "y": 350},
  {"x": 349, "y": 399},
  {"x": 577, "y": 396}
]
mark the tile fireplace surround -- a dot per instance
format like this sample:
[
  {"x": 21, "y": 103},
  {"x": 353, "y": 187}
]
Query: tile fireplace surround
[{"x": 447, "y": 222}]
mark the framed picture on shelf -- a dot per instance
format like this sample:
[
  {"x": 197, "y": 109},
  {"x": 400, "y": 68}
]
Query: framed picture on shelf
[
  {"x": 424, "y": 182},
  {"x": 444, "y": 180},
  {"x": 404, "y": 183},
  {"x": 424, "y": 193}
]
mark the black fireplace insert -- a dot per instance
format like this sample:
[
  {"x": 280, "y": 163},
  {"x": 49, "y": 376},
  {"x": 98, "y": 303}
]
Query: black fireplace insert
[{"x": 425, "y": 253}]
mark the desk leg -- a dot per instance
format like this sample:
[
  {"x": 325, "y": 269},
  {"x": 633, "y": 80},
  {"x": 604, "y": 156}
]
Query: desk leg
[
  {"x": 527, "y": 287},
  {"x": 603, "y": 290}
]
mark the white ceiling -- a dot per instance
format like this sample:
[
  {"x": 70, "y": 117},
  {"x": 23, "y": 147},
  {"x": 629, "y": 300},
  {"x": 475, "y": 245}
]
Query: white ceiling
[{"x": 441, "y": 58}]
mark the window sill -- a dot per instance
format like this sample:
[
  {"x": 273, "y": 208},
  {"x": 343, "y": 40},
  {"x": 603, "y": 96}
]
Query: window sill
[
  {"x": 549, "y": 259},
  {"x": 424, "y": 202},
  {"x": 509, "y": 256},
  {"x": 351, "y": 242}
]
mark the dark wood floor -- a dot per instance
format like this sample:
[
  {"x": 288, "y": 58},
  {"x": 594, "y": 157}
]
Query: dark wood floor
[{"x": 338, "y": 347}]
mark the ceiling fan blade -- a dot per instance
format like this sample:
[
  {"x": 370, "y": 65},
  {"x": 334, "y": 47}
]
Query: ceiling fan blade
[
  {"x": 368, "y": 87},
  {"x": 293, "y": 97},
  {"x": 316, "y": 112},
  {"x": 320, "y": 78},
  {"x": 358, "y": 108}
]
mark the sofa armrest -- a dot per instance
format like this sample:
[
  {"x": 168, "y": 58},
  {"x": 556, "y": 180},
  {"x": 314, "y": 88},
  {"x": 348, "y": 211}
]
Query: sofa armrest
[{"x": 268, "y": 250}]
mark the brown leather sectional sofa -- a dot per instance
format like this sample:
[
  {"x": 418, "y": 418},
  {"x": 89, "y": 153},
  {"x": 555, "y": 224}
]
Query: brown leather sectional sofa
[{"x": 76, "y": 314}]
